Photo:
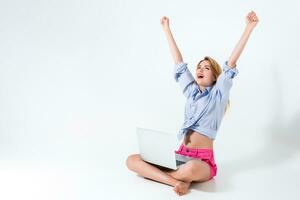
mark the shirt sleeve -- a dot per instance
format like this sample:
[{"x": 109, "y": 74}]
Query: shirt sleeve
[
  {"x": 184, "y": 77},
  {"x": 224, "y": 81}
]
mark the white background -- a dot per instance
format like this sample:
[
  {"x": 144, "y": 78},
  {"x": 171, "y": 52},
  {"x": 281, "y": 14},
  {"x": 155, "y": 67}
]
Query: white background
[{"x": 77, "y": 78}]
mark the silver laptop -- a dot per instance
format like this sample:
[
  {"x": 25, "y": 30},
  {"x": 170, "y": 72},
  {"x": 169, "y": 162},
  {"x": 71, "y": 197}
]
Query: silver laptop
[{"x": 158, "y": 147}]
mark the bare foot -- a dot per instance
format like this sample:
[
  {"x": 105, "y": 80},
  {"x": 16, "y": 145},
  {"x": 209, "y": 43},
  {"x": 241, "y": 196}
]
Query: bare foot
[{"x": 181, "y": 188}]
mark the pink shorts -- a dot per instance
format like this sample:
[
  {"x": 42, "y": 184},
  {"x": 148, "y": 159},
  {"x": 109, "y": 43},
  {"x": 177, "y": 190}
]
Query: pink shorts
[{"x": 184, "y": 154}]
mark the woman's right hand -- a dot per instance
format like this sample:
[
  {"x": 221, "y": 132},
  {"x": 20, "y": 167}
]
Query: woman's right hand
[
  {"x": 172, "y": 44},
  {"x": 164, "y": 22}
]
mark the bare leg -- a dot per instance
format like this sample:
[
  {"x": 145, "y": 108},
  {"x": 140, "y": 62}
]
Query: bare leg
[
  {"x": 194, "y": 170},
  {"x": 136, "y": 164}
]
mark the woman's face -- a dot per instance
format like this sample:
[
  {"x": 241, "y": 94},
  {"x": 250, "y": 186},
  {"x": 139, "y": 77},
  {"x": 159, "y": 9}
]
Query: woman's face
[{"x": 204, "y": 74}]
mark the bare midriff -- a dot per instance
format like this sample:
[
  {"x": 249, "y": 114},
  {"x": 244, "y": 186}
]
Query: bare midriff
[{"x": 197, "y": 140}]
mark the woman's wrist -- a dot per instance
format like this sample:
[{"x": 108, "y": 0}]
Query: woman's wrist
[
  {"x": 249, "y": 28},
  {"x": 166, "y": 28}
]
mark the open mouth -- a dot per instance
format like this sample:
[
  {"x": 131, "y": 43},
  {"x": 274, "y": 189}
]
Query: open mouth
[{"x": 200, "y": 76}]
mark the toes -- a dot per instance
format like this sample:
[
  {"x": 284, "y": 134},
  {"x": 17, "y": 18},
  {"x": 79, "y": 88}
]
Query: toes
[
  {"x": 177, "y": 190},
  {"x": 181, "y": 189}
]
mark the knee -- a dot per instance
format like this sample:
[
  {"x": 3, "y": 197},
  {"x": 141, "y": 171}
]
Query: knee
[
  {"x": 191, "y": 169},
  {"x": 131, "y": 160},
  {"x": 197, "y": 171}
]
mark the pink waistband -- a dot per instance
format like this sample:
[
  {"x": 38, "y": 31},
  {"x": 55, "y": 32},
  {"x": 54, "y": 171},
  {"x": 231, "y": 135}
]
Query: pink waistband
[{"x": 196, "y": 153}]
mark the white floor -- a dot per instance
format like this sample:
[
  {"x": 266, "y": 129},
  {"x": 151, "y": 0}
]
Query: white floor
[{"x": 81, "y": 170}]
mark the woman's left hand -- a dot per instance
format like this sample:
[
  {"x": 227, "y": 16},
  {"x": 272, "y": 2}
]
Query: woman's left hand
[{"x": 251, "y": 19}]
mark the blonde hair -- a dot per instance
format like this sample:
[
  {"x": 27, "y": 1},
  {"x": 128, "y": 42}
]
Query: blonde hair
[{"x": 216, "y": 70}]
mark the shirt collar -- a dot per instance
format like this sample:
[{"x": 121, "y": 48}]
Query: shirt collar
[{"x": 208, "y": 89}]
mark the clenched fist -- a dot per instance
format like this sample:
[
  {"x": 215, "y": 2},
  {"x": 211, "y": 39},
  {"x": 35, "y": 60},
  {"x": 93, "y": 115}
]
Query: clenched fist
[
  {"x": 251, "y": 19},
  {"x": 164, "y": 22}
]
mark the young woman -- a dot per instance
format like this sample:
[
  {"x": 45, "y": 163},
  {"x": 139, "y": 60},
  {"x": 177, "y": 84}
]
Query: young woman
[{"x": 207, "y": 98}]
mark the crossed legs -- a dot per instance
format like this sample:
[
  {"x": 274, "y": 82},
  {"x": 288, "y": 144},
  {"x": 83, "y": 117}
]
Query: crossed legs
[{"x": 180, "y": 179}]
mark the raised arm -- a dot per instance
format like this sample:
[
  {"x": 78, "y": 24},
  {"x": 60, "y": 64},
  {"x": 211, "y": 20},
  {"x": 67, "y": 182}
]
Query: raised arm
[
  {"x": 177, "y": 57},
  {"x": 251, "y": 21}
]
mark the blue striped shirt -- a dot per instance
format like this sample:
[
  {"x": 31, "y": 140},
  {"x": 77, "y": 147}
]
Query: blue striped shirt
[{"x": 204, "y": 110}]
